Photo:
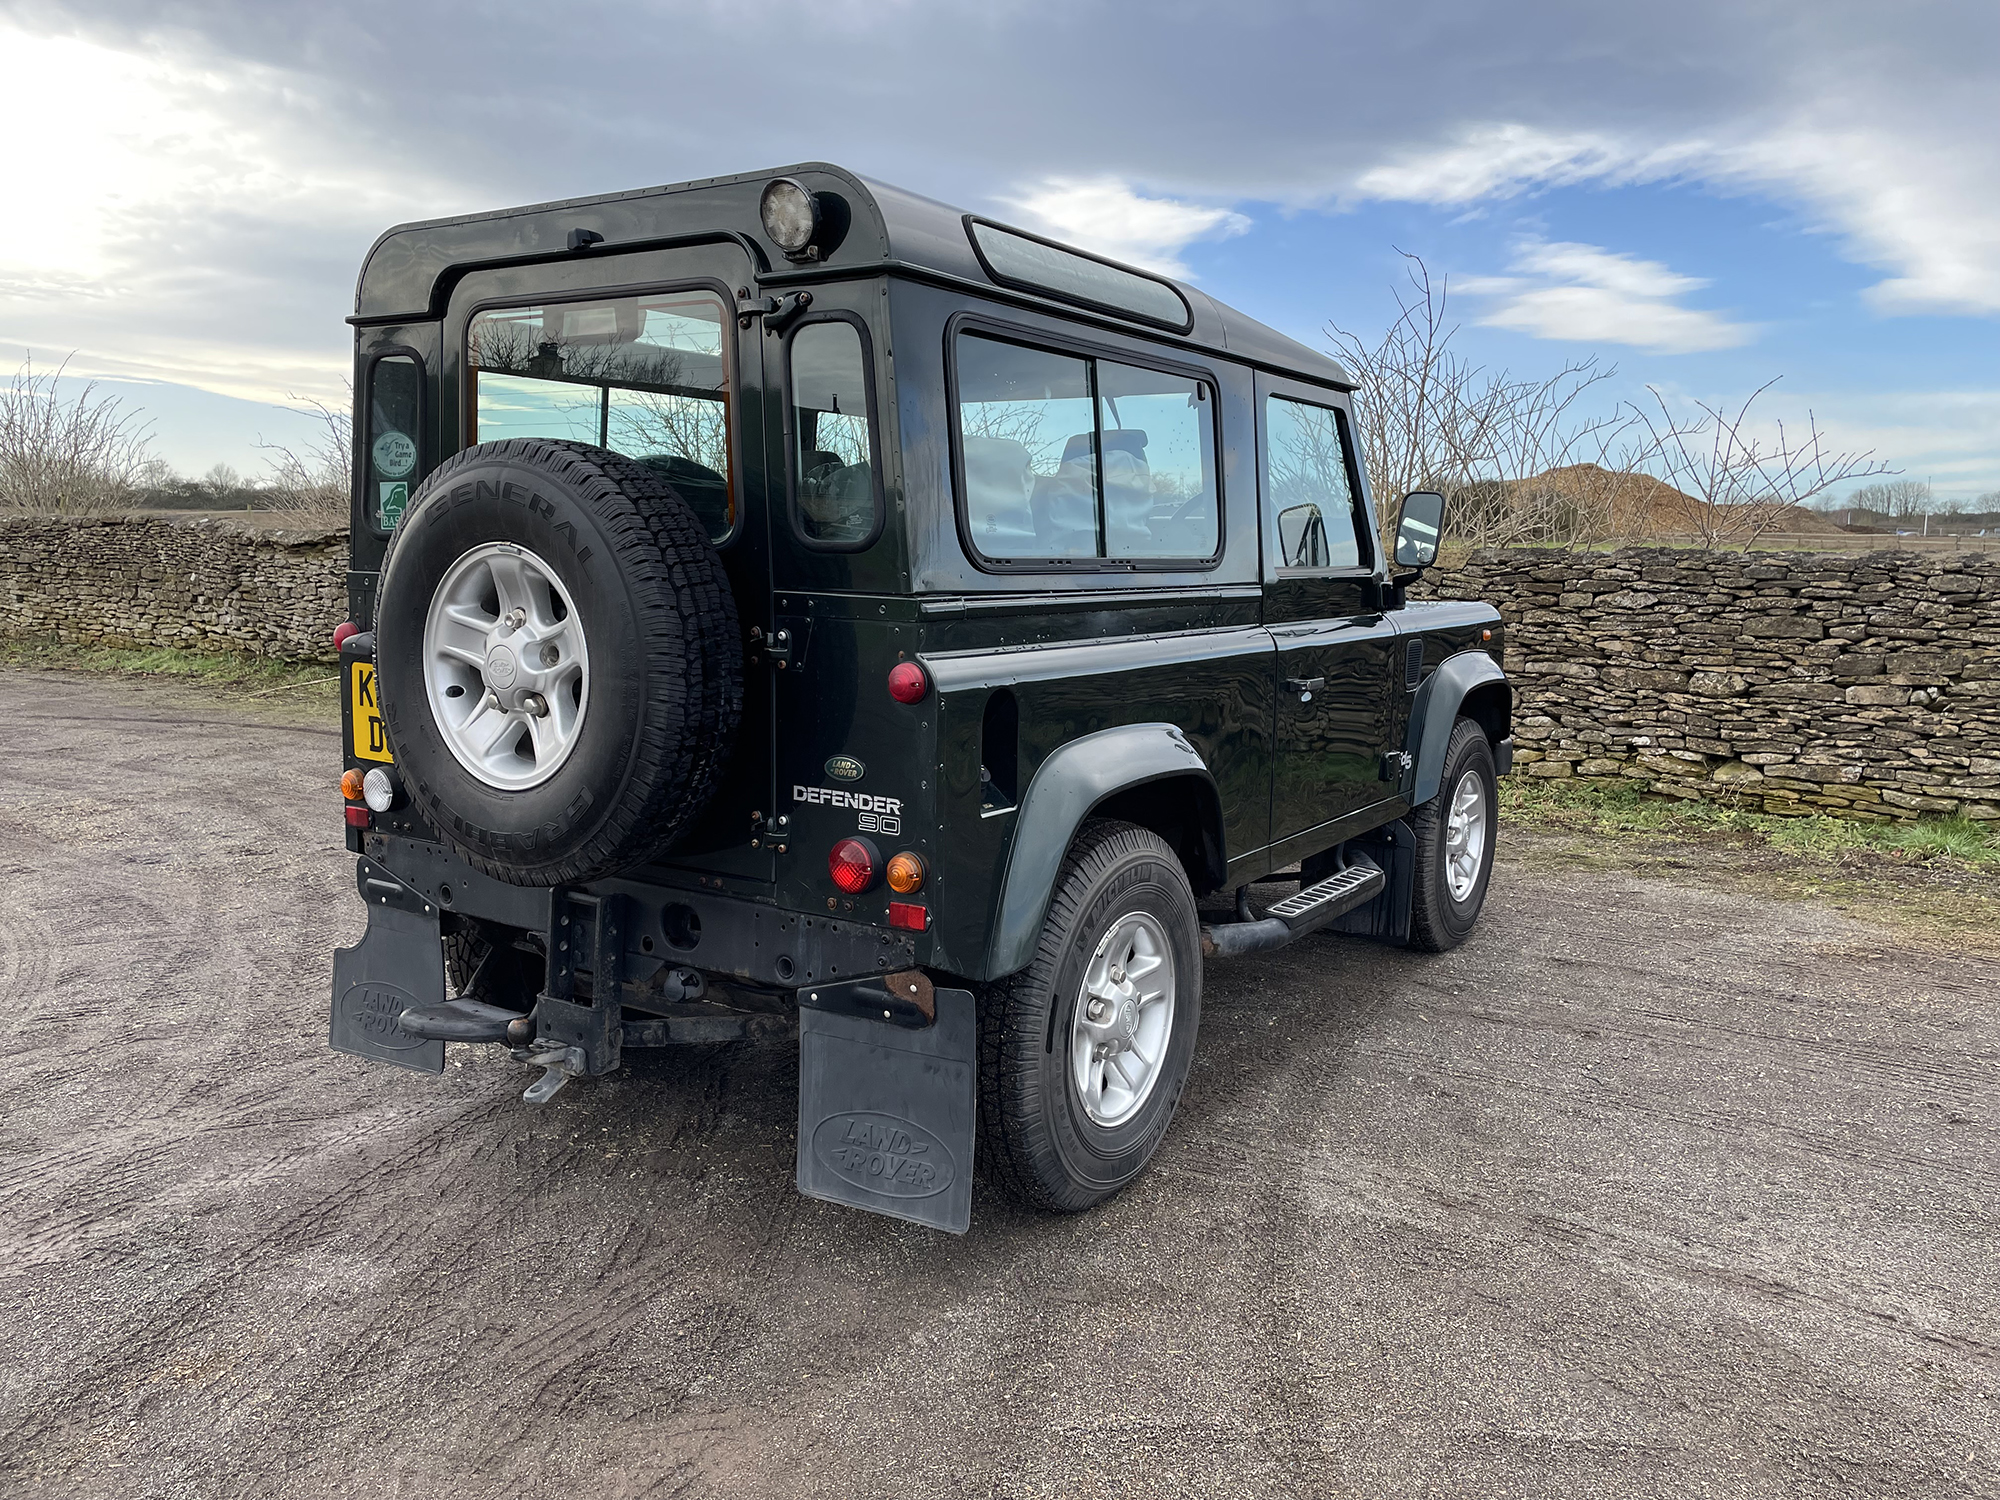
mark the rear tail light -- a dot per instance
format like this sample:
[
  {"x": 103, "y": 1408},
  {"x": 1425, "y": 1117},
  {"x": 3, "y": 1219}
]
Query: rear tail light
[
  {"x": 906, "y": 873},
  {"x": 341, "y": 632},
  {"x": 908, "y": 682},
  {"x": 854, "y": 865},
  {"x": 908, "y": 914}
]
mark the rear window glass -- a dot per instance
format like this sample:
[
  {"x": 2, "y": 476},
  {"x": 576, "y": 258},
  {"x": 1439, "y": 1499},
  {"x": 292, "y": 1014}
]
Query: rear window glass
[
  {"x": 643, "y": 376},
  {"x": 1309, "y": 484},
  {"x": 1067, "y": 456},
  {"x": 1025, "y": 261}
]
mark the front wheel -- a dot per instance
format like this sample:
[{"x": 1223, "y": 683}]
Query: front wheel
[
  {"x": 1455, "y": 832},
  {"x": 1084, "y": 1053}
]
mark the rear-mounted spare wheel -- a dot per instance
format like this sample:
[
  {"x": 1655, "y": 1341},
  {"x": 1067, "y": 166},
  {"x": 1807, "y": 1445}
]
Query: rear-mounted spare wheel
[{"x": 557, "y": 655}]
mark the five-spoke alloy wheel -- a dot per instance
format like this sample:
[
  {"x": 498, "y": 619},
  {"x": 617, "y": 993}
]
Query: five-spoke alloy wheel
[
  {"x": 1123, "y": 1019},
  {"x": 506, "y": 666},
  {"x": 1083, "y": 1054}
]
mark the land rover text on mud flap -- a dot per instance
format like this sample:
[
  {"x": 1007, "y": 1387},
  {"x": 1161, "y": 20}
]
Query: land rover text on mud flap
[{"x": 786, "y": 604}]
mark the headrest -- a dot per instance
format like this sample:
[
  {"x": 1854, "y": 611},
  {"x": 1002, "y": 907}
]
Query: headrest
[{"x": 1130, "y": 440}]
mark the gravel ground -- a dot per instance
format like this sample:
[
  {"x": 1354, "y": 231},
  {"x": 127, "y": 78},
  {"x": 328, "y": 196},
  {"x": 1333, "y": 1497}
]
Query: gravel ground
[{"x": 1648, "y": 1190}]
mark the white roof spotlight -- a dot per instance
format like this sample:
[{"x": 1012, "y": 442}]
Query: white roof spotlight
[{"x": 790, "y": 212}]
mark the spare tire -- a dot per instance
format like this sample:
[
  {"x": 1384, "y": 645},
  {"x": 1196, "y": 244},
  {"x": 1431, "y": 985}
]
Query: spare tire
[{"x": 558, "y": 659}]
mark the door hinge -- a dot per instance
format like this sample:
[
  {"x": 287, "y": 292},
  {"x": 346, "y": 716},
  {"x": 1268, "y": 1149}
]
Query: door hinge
[
  {"x": 1396, "y": 765},
  {"x": 777, "y": 312},
  {"x": 775, "y": 648},
  {"x": 770, "y": 833}
]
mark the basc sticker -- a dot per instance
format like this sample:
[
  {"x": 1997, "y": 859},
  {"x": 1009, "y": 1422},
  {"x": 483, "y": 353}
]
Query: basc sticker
[{"x": 395, "y": 499}]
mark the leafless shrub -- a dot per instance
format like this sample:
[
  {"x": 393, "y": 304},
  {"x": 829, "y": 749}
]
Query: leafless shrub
[
  {"x": 65, "y": 456},
  {"x": 1731, "y": 485},
  {"x": 1503, "y": 450},
  {"x": 313, "y": 485}
]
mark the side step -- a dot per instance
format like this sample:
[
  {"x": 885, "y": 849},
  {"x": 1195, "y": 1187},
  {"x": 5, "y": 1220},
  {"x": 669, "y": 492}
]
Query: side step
[{"x": 1295, "y": 916}]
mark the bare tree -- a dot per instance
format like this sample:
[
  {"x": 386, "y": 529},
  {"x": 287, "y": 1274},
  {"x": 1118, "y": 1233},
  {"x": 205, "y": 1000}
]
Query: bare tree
[
  {"x": 1517, "y": 459},
  {"x": 313, "y": 484},
  {"x": 75, "y": 455},
  {"x": 1898, "y": 499},
  {"x": 1733, "y": 485}
]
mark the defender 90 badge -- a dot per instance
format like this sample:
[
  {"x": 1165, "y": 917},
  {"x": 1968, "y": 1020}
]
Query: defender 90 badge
[{"x": 845, "y": 768}]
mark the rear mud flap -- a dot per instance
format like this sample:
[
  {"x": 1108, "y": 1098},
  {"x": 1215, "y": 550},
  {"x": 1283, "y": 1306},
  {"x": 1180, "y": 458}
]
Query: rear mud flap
[
  {"x": 886, "y": 1108},
  {"x": 399, "y": 963}
]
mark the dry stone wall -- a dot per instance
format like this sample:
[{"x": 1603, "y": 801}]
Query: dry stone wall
[
  {"x": 1867, "y": 686},
  {"x": 200, "y": 584}
]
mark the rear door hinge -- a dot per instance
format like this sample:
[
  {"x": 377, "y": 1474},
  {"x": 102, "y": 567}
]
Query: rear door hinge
[
  {"x": 773, "y": 833},
  {"x": 776, "y": 647},
  {"x": 777, "y": 312}
]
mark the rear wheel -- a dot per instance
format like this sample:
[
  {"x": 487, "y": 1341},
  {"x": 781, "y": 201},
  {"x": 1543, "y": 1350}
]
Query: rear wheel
[
  {"x": 1084, "y": 1053},
  {"x": 1455, "y": 834}
]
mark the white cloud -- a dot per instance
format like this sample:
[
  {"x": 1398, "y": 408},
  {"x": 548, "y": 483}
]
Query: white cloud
[
  {"x": 1592, "y": 295},
  {"x": 1899, "y": 199},
  {"x": 1106, "y": 215},
  {"x": 1491, "y": 162},
  {"x": 167, "y": 209}
]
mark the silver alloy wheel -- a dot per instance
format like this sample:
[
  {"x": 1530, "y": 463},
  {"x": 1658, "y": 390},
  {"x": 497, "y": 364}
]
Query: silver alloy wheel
[
  {"x": 506, "y": 668},
  {"x": 1124, "y": 1019},
  {"x": 1465, "y": 836}
]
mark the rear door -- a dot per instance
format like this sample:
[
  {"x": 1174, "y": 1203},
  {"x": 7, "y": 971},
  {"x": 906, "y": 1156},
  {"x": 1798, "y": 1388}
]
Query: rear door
[
  {"x": 1335, "y": 646},
  {"x": 643, "y": 354}
]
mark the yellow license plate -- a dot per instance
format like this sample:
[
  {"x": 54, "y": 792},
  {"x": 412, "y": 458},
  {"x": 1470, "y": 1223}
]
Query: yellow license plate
[{"x": 370, "y": 743}]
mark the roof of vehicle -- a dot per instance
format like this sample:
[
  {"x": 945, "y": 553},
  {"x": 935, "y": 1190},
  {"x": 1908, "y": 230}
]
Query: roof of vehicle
[{"x": 409, "y": 271}]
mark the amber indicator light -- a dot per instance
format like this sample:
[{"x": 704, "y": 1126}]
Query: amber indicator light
[
  {"x": 906, "y": 873},
  {"x": 350, "y": 785}
]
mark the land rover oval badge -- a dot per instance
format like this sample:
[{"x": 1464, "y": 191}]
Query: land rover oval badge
[{"x": 844, "y": 768}]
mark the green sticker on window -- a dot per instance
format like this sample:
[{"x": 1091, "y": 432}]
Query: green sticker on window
[
  {"x": 395, "y": 498},
  {"x": 395, "y": 454}
]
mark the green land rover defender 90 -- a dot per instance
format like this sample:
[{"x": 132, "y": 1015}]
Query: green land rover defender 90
[{"x": 785, "y": 604}]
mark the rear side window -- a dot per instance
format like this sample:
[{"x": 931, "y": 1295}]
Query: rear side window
[
  {"x": 647, "y": 377},
  {"x": 1069, "y": 456},
  {"x": 836, "y": 494},
  {"x": 395, "y": 403},
  {"x": 1309, "y": 485}
]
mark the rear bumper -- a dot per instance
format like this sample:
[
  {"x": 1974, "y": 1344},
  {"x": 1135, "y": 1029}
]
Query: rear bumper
[{"x": 729, "y": 936}]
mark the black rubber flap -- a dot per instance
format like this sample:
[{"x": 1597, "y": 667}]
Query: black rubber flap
[
  {"x": 398, "y": 965},
  {"x": 886, "y": 1112}
]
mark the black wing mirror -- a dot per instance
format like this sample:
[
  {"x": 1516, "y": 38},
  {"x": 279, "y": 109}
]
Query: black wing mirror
[{"x": 1418, "y": 530}]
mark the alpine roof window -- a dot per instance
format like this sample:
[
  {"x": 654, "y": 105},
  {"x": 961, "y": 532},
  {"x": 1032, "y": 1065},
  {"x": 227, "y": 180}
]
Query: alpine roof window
[
  {"x": 1074, "y": 457},
  {"x": 395, "y": 406},
  {"x": 1023, "y": 260},
  {"x": 644, "y": 376},
  {"x": 836, "y": 490}
]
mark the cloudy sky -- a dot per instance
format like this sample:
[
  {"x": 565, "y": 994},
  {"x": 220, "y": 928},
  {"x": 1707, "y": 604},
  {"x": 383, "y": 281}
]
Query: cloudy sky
[{"x": 1708, "y": 194}]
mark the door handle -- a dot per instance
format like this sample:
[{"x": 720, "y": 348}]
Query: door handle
[{"x": 1305, "y": 687}]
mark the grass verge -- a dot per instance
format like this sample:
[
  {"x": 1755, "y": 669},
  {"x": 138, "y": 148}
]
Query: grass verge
[
  {"x": 1938, "y": 875},
  {"x": 1625, "y": 809},
  {"x": 229, "y": 670}
]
